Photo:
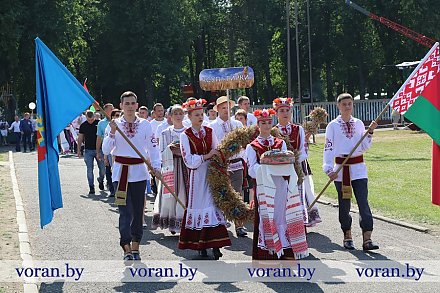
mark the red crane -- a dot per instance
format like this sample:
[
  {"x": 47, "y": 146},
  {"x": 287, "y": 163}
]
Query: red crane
[{"x": 419, "y": 38}]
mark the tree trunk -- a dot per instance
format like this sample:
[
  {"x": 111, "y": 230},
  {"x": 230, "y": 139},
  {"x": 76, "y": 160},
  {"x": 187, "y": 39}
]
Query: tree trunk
[
  {"x": 149, "y": 91},
  {"x": 362, "y": 80},
  {"x": 199, "y": 45},
  {"x": 253, "y": 90},
  {"x": 266, "y": 64},
  {"x": 328, "y": 75},
  {"x": 191, "y": 69}
]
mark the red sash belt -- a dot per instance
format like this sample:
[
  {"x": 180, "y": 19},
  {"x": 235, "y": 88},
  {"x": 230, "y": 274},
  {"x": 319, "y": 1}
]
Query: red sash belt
[
  {"x": 121, "y": 191},
  {"x": 347, "y": 191}
]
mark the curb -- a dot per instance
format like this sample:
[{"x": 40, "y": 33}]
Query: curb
[
  {"x": 383, "y": 218},
  {"x": 23, "y": 236}
]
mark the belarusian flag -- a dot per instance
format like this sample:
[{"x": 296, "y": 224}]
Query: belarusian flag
[{"x": 419, "y": 100}]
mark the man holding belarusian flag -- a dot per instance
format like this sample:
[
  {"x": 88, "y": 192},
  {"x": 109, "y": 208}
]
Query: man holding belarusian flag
[{"x": 419, "y": 100}]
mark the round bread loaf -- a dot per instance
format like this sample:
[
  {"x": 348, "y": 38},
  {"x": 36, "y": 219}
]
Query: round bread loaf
[{"x": 277, "y": 157}]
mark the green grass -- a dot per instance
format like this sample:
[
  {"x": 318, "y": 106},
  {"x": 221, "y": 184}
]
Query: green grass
[{"x": 399, "y": 170}]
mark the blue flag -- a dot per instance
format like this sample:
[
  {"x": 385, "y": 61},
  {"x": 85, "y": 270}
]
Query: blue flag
[{"x": 60, "y": 98}]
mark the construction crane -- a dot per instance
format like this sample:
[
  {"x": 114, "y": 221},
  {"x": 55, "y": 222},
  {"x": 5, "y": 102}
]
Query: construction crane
[{"x": 419, "y": 38}]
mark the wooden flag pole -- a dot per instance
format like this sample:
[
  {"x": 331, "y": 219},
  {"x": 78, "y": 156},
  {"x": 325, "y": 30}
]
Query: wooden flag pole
[
  {"x": 147, "y": 162},
  {"x": 348, "y": 157}
]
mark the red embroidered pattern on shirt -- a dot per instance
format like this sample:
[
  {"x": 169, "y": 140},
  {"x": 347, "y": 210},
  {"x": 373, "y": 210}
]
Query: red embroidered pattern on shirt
[
  {"x": 285, "y": 130},
  {"x": 348, "y": 132},
  {"x": 206, "y": 219},
  {"x": 199, "y": 134},
  {"x": 328, "y": 145},
  {"x": 130, "y": 129},
  {"x": 199, "y": 219}
]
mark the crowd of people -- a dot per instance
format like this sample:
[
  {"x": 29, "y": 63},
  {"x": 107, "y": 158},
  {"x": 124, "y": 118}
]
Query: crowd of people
[
  {"x": 179, "y": 143},
  {"x": 24, "y": 132}
]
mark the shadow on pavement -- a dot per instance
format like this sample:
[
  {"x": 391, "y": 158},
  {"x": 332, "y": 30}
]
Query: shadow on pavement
[
  {"x": 322, "y": 243},
  {"x": 51, "y": 287}
]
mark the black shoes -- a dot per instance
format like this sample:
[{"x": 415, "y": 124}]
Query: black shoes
[
  {"x": 92, "y": 190},
  {"x": 101, "y": 186},
  {"x": 136, "y": 255},
  {"x": 369, "y": 245},
  {"x": 217, "y": 254},
  {"x": 348, "y": 240},
  {"x": 241, "y": 232},
  {"x": 348, "y": 244},
  {"x": 128, "y": 256}
]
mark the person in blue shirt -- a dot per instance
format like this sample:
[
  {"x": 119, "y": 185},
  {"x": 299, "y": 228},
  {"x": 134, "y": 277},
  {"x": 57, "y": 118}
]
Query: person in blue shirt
[
  {"x": 102, "y": 125},
  {"x": 26, "y": 130}
]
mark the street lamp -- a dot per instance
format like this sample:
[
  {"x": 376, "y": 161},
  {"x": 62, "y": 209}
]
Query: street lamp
[
  {"x": 337, "y": 88},
  {"x": 32, "y": 107}
]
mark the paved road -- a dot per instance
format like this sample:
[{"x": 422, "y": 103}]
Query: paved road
[{"x": 86, "y": 228}]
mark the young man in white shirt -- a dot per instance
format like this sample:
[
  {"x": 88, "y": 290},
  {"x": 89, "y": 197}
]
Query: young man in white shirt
[
  {"x": 143, "y": 113},
  {"x": 15, "y": 127},
  {"x": 130, "y": 173},
  {"x": 341, "y": 135},
  {"x": 164, "y": 125},
  {"x": 159, "y": 112},
  {"x": 102, "y": 125},
  {"x": 221, "y": 126},
  {"x": 244, "y": 103}
]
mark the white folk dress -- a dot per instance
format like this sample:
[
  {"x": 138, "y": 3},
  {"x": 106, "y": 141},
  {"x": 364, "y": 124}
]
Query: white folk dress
[
  {"x": 204, "y": 225},
  {"x": 168, "y": 213}
]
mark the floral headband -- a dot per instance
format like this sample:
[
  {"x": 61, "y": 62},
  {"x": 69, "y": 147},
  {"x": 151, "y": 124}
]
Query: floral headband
[
  {"x": 194, "y": 105},
  {"x": 282, "y": 102},
  {"x": 265, "y": 114}
]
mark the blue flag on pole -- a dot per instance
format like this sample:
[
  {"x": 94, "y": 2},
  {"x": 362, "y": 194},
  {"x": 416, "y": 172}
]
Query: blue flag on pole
[{"x": 60, "y": 98}]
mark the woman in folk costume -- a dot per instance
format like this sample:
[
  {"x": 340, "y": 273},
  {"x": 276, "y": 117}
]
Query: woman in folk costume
[
  {"x": 279, "y": 231},
  {"x": 297, "y": 141},
  {"x": 168, "y": 213},
  {"x": 204, "y": 225}
]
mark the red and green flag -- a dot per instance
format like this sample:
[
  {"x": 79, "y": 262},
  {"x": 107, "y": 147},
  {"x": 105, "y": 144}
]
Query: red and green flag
[{"x": 419, "y": 100}]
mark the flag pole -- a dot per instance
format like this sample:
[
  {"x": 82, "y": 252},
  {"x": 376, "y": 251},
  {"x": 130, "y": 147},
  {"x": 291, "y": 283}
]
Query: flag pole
[
  {"x": 376, "y": 120},
  {"x": 147, "y": 162},
  {"x": 348, "y": 156}
]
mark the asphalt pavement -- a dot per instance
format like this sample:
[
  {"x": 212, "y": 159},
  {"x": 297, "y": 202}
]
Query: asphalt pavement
[{"x": 86, "y": 229}]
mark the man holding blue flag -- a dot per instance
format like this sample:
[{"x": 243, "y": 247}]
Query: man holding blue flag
[
  {"x": 130, "y": 173},
  {"x": 60, "y": 98}
]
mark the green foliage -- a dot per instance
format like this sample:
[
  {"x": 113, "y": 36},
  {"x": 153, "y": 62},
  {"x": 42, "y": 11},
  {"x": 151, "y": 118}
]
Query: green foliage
[{"x": 152, "y": 47}]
